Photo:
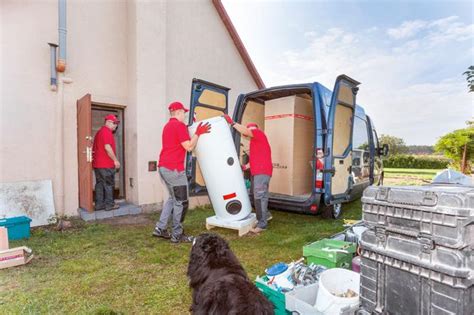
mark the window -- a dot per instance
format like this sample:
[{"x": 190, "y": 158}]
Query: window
[
  {"x": 360, "y": 137},
  {"x": 360, "y": 151}
]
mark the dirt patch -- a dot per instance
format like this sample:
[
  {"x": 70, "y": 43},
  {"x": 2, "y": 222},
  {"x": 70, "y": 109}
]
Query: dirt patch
[{"x": 133, "y": 220}]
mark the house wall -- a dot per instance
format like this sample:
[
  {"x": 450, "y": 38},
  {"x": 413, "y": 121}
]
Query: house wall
[{"x": 141, "y": 54}]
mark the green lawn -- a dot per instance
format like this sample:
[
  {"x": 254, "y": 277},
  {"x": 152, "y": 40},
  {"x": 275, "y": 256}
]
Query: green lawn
[
  {"x": 111, "y": 268},
  {"x": 105, "y": 268}
]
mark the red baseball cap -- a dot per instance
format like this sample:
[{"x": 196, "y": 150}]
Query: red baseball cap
[
  {"x": 112, "y": 118},
  {"x": 177, "y": 105},
  {"x": 250, "y": 125}
]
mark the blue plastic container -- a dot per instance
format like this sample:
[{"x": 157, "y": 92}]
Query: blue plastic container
[{"x": 18, "y": 227}]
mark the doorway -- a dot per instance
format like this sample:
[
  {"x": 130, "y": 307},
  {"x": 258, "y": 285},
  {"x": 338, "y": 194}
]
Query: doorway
[{"x": 98, "y": 112}]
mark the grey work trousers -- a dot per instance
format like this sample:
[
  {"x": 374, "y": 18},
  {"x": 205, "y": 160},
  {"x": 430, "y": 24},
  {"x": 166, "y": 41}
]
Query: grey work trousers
[
  {"x": 177, "y": 204},
  {"x": 260, "y": 195}
]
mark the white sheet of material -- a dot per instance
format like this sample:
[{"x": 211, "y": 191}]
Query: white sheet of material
[{"x": 33, "y": 199}]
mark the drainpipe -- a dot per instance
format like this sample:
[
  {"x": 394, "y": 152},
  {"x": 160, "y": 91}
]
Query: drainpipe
[
  {"x": 60, "y": 139},
  {"x": 54, "y": 77},
  {"x": 61, "y": 66}
]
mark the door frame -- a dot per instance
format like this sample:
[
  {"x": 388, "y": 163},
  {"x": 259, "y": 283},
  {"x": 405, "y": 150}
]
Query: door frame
[{"x": 99, "y": 105}]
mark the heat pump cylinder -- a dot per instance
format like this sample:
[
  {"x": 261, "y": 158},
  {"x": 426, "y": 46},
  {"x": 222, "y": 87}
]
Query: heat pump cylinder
[{"x": 221, "y": 170}]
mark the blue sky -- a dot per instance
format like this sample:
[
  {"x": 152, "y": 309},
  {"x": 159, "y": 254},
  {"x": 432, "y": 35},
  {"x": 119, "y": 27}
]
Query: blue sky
[{"x": 408, "y": 55}]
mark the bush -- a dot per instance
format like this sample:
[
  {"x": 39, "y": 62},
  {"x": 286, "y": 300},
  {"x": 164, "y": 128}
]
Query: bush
[{"x": 412, "y": 161}]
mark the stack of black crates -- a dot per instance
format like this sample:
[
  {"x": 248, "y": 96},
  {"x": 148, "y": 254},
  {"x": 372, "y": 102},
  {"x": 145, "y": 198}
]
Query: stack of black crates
[{"x": 417, "y": 256}]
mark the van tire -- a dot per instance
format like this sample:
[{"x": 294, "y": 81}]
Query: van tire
[{"x": 332, "y": 211}]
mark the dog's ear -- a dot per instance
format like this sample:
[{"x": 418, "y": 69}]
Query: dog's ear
[{"x": 215, "y": 245}]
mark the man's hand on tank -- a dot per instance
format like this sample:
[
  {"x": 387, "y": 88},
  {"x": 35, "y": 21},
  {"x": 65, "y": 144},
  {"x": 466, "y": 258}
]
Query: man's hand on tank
[{"x": 203, "y": 128}]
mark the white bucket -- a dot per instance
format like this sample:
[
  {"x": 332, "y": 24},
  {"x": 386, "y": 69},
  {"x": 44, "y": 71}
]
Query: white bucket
[{"x": 336, "y": 281}]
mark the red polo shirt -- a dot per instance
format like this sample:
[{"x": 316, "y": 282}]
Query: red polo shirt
[
  {"x": 260, "y": 154},
  {"x": 100, "y": 157},
  {"x": 172, "y": 153}
]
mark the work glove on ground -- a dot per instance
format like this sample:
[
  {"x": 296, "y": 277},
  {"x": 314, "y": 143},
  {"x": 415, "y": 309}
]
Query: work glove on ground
[
  {"x": 203, "y": 128},
  {"x": 228, "y": 119}
]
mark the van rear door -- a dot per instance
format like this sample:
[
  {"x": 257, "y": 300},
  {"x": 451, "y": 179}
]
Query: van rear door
[
  {"x": 207, "y": 100},
  {"x": 338, "y": 150}
]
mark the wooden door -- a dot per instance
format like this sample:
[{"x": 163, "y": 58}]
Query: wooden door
[{"x": 84, "y": 151}]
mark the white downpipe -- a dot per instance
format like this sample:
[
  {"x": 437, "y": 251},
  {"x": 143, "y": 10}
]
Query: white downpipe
[{"x": 60, "y": 155}]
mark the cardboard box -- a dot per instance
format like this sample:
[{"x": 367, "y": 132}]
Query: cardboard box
[
  {"x": 15, "y": 257},
  {"x": 289, "y": 126},
  {"x": 3, "y": 238}
]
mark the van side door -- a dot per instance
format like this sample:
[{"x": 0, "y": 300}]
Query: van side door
[
  {"x": 338, "y": 179},
  {"x": 207, "y": 100}
]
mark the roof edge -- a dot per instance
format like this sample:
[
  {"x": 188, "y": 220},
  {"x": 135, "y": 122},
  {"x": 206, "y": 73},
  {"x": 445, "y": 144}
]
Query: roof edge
[{"x": 238, "y": 43}]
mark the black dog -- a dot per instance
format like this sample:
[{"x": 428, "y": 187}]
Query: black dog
[{"x": 219, "y": 282}]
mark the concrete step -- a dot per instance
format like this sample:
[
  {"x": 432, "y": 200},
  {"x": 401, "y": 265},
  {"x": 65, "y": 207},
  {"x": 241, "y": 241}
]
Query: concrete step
[{"x": 126, "y": 208}]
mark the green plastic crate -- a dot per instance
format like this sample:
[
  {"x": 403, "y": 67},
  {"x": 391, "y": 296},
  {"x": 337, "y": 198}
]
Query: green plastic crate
[
  {"x": 274, "y": 296},
  {"x": 324, "y": 253},
  {"x": 18, "y": 227}
]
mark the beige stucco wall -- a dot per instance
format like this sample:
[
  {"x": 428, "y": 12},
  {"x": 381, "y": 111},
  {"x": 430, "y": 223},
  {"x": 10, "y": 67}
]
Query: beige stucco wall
[{"x": 142, "y": 54}]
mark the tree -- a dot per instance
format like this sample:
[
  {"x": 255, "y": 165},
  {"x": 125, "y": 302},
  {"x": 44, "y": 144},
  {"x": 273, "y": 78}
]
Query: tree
[
  {"x": 420, "y": 149},
  {"x": 470, "y": 78},
  {"x": 396, "y": 145},
  {"x": 458, "y": 146}
]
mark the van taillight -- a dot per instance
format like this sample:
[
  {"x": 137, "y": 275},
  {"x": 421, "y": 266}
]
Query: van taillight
[
  {"x": 319, "y": 170},
  {"x": 313, "y": 208}
]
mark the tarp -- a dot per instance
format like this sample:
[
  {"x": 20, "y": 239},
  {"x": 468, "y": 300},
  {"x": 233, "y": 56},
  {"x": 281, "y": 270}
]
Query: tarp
[{"x": 449, "y": 176}]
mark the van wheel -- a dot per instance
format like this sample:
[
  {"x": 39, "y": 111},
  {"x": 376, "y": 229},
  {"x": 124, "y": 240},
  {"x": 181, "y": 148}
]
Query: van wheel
[{"x": 332, "y": 211}]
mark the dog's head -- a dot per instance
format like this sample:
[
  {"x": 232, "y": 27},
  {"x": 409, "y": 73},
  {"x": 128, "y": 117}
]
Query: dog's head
[{"x": 210, "y": 251}]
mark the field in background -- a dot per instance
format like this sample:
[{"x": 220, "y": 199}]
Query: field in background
[{"x": 408, "y": 176}]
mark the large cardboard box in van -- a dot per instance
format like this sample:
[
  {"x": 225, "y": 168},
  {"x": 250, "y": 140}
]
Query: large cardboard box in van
[{"x": 289, "y": 126}]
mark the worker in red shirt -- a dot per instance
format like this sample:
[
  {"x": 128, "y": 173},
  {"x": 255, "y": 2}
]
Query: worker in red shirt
[
  {"x": 261, "y": 169},
  {"x": 175, "y": 143},
  {"x": 105, "y": 163}
]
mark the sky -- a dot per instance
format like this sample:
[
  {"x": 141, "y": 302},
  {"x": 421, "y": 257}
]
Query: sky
[{"x": 408, "y": 55}]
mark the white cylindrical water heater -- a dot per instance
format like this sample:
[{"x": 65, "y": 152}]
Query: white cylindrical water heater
[{"x": 221, "y": 171}]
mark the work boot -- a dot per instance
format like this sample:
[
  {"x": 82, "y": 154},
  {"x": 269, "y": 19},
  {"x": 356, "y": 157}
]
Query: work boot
[
  {"x": 113, "y": 207},
  {"x": 181, "y": 239},
  {"x": 257, "y": 230},
  {"x": 269, "y": 216},
  {"x": 161, "y": 233}
]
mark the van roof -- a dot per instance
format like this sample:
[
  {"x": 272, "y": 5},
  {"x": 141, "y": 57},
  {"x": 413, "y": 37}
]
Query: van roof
[{"x": 325, "y": 94}]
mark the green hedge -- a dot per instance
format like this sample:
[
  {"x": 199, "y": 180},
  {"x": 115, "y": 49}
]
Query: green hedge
[{"x": 413, "y": 161}]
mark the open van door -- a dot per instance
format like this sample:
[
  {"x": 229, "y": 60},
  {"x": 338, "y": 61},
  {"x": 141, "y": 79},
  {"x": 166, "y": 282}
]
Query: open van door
[
  {"x": 207, "y": 100},
  {"x": 338, "y": 150}
]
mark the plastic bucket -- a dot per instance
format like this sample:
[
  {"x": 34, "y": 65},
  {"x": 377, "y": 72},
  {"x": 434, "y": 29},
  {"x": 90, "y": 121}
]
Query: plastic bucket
[
  {"x": 337, "y": 281},
  {"x": 280, "y": 275}
]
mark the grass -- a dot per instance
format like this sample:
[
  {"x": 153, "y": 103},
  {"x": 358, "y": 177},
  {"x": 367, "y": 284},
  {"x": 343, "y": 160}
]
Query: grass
[
  {"x": 103, "y": 268},
  {"x": 106, "y": 268},
  {"x": 408, "y": 176}
]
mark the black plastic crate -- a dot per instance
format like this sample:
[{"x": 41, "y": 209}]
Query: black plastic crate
[
  {"x": 440, "y": 214},
  {"x": 393, "y": 286}
]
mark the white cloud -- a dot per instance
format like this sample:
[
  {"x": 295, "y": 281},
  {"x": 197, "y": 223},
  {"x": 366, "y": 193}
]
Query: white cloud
[
  {"x": 407, "y": 29},
  {"x": 394, "y": 90}
]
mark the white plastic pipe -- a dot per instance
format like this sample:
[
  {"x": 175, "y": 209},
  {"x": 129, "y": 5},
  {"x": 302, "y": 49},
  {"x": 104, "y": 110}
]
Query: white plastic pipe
[{"x": 221, "y": 170}]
